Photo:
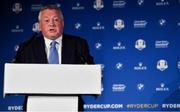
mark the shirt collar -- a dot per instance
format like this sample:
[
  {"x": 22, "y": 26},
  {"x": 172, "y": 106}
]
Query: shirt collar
[{"x": 48, "y": 41}]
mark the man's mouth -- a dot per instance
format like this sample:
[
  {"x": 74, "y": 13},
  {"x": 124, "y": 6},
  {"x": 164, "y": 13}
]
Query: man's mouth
[{"x": 52, "y": 30}]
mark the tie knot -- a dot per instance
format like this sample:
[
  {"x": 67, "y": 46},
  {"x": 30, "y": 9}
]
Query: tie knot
[{"x": 53, "y": 43}]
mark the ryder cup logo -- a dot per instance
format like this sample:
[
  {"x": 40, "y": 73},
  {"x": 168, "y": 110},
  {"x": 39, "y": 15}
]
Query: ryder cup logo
[
  {"x": 162, "y": 65},
  {"x": 119, "y": 24},
  {"x": 17, "y": 8},
  {"x": 98, "y": 4},
  {"x": 140, "y": 44},
  {"x": 35, "y": 27}
]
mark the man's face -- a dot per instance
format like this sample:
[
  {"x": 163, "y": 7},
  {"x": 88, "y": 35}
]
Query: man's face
[{"x": 51, "y": 24}]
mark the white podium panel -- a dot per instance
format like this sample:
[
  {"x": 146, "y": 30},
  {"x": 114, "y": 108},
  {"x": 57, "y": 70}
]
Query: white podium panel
[
  {"x": 52, "y": 104},
  {"x": 52, "y": 79}
]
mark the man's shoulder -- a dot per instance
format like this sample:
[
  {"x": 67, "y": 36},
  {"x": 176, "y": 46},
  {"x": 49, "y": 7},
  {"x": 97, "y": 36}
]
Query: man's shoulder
[
  {"x": 34, "y": 40},
  {"x": 73, "y": 38}
]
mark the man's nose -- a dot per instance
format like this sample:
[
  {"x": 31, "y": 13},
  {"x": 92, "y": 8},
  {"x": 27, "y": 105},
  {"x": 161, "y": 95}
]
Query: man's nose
[{"x": 52, "y": 23}]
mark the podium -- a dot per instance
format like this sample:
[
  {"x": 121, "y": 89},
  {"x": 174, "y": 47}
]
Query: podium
[{"x": 52, "y": 87}]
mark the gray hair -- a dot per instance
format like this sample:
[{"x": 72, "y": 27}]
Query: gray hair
[{"x": 50, "y": 7}]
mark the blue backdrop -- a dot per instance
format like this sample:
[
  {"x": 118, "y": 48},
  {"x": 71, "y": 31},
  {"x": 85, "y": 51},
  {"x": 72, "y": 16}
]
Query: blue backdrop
[{"x": 136, "y": 41}]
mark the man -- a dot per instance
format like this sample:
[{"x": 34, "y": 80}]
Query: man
[{"x": 67, "y": 49}]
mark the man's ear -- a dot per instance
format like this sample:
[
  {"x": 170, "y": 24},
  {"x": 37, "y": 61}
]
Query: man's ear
[{"x": 39, "y": 26}]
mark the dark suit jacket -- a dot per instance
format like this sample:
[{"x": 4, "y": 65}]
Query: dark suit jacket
[{"x": 74, "y": 51}]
